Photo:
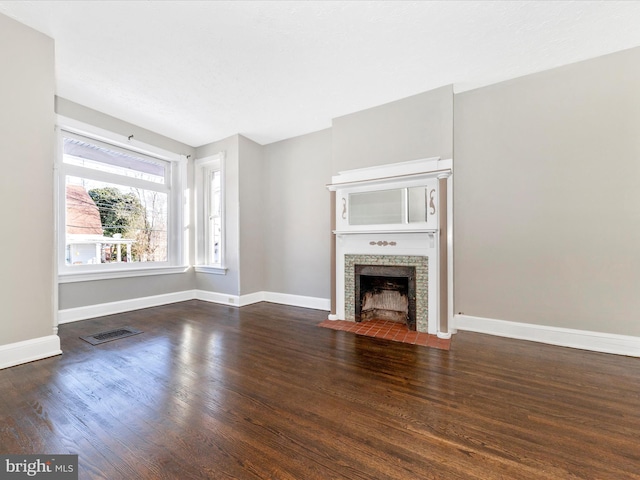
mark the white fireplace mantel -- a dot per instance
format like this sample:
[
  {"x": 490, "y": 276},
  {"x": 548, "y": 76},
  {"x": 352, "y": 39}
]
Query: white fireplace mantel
[{"x": 409, "y": 237}]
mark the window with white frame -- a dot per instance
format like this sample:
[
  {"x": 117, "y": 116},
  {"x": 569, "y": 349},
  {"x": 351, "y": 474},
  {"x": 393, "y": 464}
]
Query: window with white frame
[
  {"x": 119, "y": 208},
  {"x": 209, "y": 195}
]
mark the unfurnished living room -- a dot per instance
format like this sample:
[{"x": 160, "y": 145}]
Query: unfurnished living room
[{"x": 320, "y": 240}]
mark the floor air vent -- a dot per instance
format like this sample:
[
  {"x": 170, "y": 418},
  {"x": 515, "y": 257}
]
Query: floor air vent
[{"x": 103, "y": 337}]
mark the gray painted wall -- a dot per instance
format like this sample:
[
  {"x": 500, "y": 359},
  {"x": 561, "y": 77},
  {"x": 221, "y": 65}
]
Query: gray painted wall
[
  {"x": 547, "y": 204},
  {"x": 82, "y": 294},
  {"x": 416, "y": 127},
  {"x": 228, "y": 284},
  {"x": 298, "y": 214},
  {"x": 27, "y": 89},
  {"x": 253, "y": 211}
]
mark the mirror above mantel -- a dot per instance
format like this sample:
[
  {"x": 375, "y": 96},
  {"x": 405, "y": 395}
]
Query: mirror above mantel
[{"x": 399, "y": 197}]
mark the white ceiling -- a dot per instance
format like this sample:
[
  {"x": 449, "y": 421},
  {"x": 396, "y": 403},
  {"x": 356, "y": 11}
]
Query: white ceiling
[{"x": 199, "y": 71}]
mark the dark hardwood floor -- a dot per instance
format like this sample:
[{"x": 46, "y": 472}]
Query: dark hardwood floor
[{"x": 259, "y": 392}]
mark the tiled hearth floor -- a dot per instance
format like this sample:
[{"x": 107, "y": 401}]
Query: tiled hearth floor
[{"x": 388, "y": 330}]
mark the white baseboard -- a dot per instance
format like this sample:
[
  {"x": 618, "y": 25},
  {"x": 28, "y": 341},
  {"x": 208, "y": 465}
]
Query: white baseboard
[
  {"x": 101, "y": 309},
  {"x": 215, "y": 297},
  {"x": 250, "y": 298},
  {"x": 314, "y": 303},
  {"x": 29, "y": 350},
  {"x": 253, "y": 298},
  {"x": 565, "y": 337}
]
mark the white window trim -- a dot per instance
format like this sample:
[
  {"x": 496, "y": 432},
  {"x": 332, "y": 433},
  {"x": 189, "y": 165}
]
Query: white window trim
[
  {"x": 202, "y": 166},
  {"x": 120, "y": 273},
  {"x": 177, "y": 254},
  {"x": 210, "y": 269}
]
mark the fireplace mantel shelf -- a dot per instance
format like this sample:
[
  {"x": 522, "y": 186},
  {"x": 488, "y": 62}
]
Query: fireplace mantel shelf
[{"x": 394, "y": 231}]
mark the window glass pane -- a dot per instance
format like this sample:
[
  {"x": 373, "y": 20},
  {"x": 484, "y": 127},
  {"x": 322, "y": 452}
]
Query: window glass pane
[
  {"x": 215, "y": 218},
  {"x": 99, "y": 158},
  {"x": 108, "y": 223}
]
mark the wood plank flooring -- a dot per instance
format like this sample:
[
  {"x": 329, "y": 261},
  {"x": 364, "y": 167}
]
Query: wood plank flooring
[{"x": 261, "y": 392}]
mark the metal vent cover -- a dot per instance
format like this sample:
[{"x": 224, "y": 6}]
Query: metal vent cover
[{"x": 110, "y": 335}]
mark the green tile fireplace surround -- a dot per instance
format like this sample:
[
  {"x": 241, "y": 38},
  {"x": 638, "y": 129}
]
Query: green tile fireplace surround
[{"x": 421, "y": 265}]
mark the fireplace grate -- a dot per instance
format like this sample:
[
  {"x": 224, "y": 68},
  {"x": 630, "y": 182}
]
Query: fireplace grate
[{"x": 103, "y": 337}]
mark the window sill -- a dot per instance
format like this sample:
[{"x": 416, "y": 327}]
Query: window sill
[
  {"x": 84, "y": 276},
  {"x": 211, "y": 269}
]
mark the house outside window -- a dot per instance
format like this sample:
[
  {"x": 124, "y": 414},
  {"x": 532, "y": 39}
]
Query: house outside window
[
  {"x": 209, "y": 198},
  {"x": 119, "y": 208}
]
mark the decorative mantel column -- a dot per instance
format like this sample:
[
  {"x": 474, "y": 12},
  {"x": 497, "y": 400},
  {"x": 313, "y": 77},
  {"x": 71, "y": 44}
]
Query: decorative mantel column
[{"x": 443, "y": 255}]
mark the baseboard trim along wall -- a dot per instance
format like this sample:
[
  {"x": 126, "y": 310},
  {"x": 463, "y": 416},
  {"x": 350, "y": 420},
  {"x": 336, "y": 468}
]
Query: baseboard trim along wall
[
  {"x": 314, "y": 303},
  {"x": 283, "y": 298},
  {"x": 564, "y": 337},
  {"x": 215, "y": 297},
  {"x": 29, "y": 350},
  {"x": 99, "y": 310}
]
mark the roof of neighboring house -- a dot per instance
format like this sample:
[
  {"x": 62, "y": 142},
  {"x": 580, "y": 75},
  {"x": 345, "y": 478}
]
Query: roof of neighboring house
[{"x": 83, "y": 216}]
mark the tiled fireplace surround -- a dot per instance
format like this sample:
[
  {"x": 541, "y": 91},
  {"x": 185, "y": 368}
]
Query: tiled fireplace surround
[{"x": 421, "y": 265}]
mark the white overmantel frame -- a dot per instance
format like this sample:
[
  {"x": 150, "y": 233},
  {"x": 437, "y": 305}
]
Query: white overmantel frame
[
  {"x": 406, "y": 239},
  {"x": 384, "y": 173}
]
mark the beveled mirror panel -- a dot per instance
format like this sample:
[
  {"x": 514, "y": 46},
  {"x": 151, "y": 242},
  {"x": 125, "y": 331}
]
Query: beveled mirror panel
[
  {"x": 418, "y": 199},
  {"x": 381, "y": 207}
]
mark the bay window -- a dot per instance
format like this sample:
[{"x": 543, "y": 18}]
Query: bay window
[{"x": 120, "y": 209}]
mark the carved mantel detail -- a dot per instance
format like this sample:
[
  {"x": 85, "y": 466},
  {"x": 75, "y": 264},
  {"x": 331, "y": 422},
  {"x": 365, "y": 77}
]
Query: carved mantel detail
[{"x": 383, "y": 243}]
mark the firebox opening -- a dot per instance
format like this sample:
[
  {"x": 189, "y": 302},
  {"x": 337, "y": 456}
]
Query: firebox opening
[{"x": 385, "y": 293}]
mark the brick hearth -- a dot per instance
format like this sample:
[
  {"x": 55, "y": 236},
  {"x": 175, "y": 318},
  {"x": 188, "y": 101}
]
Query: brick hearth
[{"x": 395, "y": 331}]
